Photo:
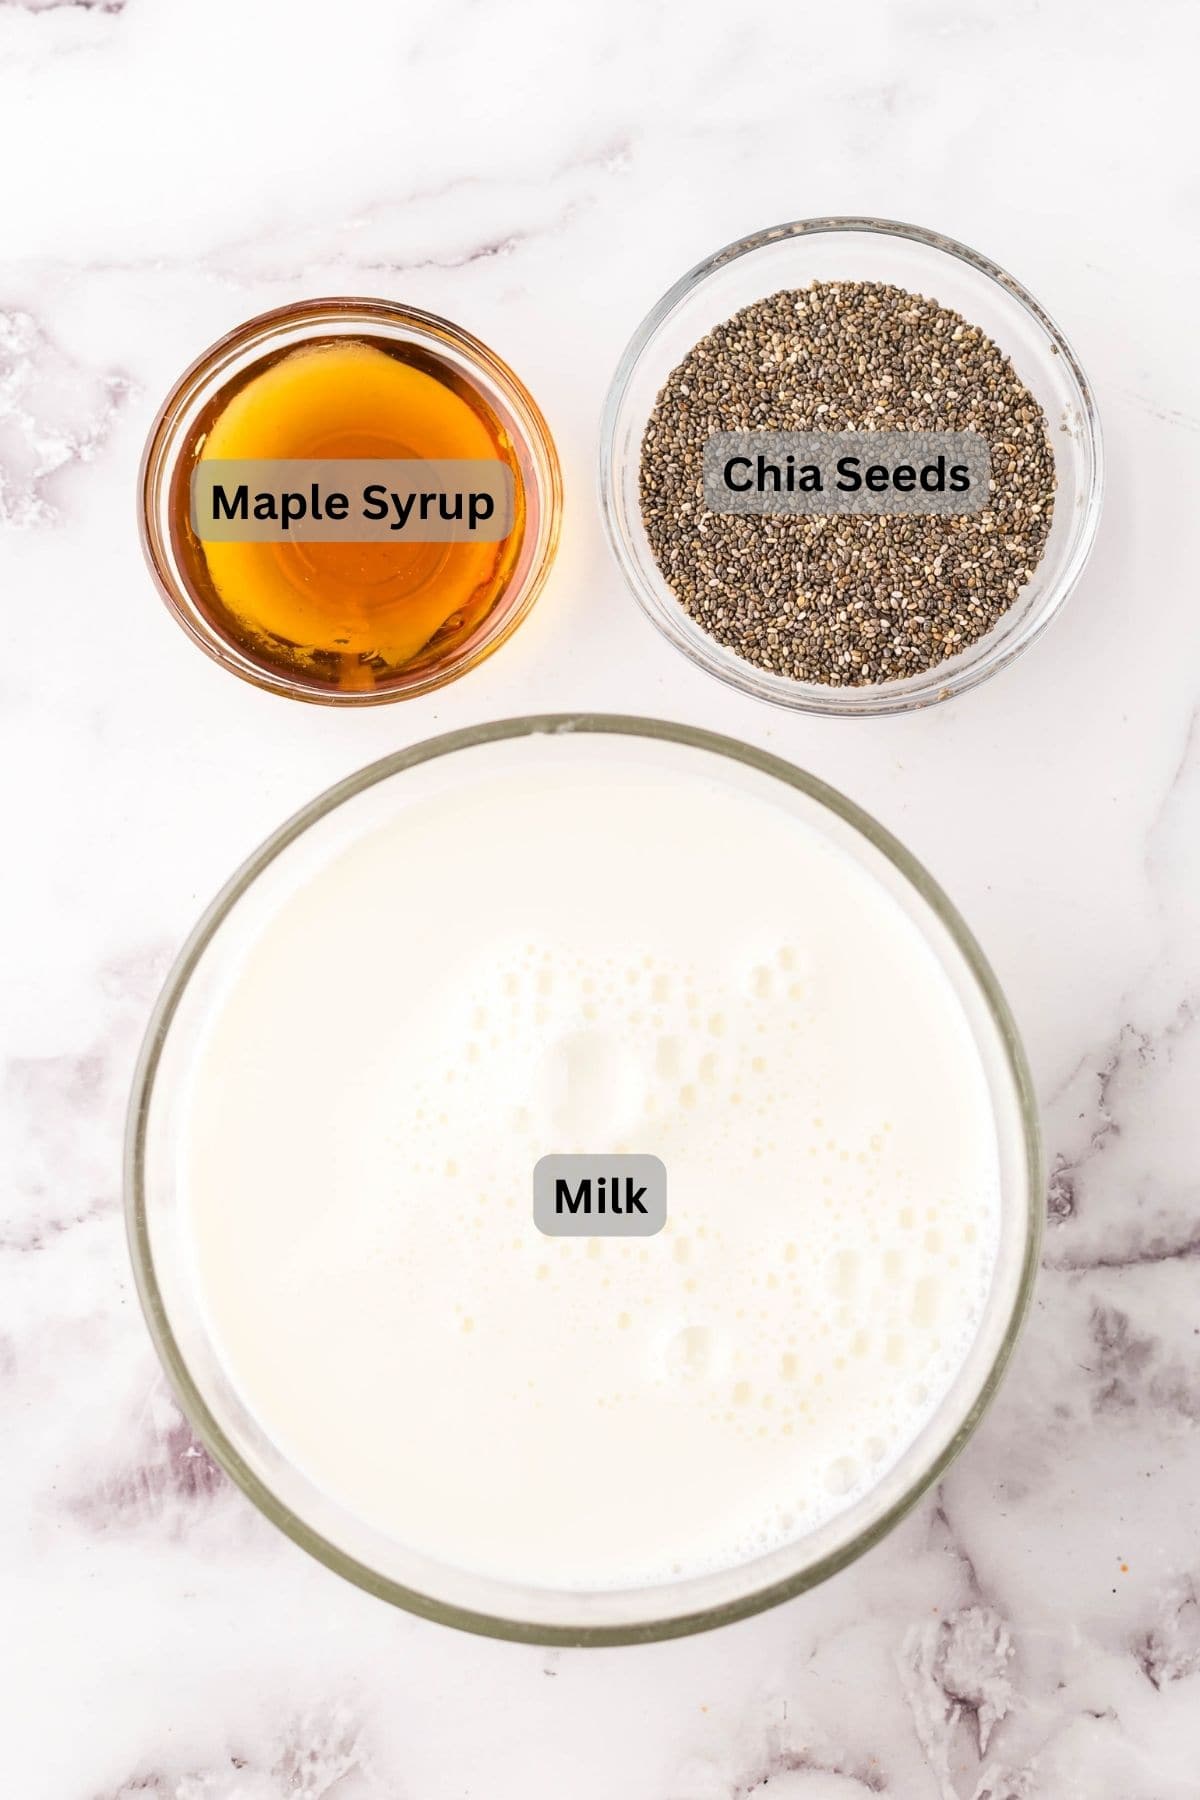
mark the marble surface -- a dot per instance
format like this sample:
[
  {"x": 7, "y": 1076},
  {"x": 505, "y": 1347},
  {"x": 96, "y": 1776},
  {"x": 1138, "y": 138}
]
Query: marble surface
[{"x": 541, "y": 173}]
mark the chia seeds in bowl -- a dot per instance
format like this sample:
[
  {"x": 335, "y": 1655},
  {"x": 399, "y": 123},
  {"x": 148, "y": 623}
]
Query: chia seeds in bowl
[
  {"x": 851, "y": 327},
  {"x": 836, "y": 599}
]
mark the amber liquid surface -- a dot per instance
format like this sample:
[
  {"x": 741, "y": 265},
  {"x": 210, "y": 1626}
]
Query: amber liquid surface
[{"x": 347, "y": 616}]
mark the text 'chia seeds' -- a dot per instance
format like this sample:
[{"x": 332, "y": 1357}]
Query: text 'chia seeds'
[{"x": 847, "y": 601}]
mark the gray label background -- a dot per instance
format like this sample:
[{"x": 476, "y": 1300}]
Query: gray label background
[
  {"x": 644, "y": 1171},
  {"x": 350, "y": 476},
  {"x": 824, "y": 448}
]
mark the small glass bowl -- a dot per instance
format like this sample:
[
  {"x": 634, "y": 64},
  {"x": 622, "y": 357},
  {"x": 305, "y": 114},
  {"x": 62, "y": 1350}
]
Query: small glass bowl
[
  {"x": 924, "y": 262},
  {"x": 287, "y": 328},
  {"x": 157, "y": 1214}
]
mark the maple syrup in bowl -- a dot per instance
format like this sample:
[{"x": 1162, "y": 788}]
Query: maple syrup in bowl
[{"x": 346, "y": 621}]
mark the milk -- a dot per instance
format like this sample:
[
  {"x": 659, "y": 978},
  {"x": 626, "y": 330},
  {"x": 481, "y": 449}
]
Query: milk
[{"x": 607, "y": 957}]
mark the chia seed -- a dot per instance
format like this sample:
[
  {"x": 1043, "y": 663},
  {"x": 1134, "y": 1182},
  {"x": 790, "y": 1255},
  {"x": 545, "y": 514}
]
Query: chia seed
[{"x": 847, "y": 601}]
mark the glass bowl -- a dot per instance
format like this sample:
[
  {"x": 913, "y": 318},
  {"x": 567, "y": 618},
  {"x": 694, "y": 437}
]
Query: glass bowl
[
  {"x": 792, "y": 256},
  {"x": 289, "y": 327},
  {"x": 159, "y": 1236}
]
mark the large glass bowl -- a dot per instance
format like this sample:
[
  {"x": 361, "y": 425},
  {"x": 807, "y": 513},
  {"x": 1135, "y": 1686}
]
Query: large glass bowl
[
  {"x": 158, "y": 1225},
  {"x": 792, "y": 256}
]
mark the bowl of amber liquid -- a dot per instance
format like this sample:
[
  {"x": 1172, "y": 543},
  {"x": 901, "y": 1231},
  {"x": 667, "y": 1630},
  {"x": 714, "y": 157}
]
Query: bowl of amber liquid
[{"x": 349, "y": 622}]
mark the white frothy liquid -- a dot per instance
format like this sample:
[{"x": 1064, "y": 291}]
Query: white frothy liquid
[{"x": 598, "y": 960}]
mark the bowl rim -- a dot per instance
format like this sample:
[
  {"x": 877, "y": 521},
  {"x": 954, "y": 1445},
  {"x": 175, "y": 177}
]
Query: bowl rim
[
  {"x": 667, "y": 615},
  {"x": 196, "y": 1408},
  {"x": 416, "y": 325}
]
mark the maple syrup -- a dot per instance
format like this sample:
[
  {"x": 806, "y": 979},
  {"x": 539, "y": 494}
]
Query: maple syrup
[{"x": 344, "y": 620}]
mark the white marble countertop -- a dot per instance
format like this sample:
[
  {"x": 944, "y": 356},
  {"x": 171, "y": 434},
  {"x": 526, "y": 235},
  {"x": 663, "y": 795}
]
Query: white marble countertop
[{"x": 541, "y": 172}]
